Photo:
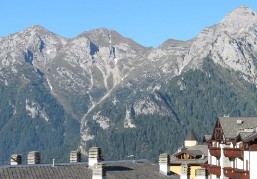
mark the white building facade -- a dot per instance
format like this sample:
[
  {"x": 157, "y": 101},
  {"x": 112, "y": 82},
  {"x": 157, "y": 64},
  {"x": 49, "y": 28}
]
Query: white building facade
[{"x": 233, "y": 149}]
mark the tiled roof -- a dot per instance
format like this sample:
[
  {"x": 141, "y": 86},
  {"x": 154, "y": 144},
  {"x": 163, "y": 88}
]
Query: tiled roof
[
  {"x": 114, "y": 169},
  {"x": 194, "y": 153},
  {"x": 232, "y": 126},
  {"x": 249, "y": 137},
  {"x": 202, "y": 148},
  {"x": 197, "y": 149}
]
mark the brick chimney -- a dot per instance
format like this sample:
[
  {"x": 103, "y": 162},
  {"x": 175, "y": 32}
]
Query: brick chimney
[
  {"x": 164, "y": 163},
  {"x": 16, "y": 159},
  {"x": 75, "y": 156},
  {"x": 34, "y": 157},
  {"x": 94, "y": 156}
]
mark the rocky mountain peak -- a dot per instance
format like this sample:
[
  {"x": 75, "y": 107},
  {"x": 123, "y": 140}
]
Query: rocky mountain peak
[
  {"x": 35, "y": 31},
  {"x": 103, "y": 37},
  {"x": 36, "y": 28},
  {"x": 239, "y": 19},
  {"x": 100, "y": 36}
]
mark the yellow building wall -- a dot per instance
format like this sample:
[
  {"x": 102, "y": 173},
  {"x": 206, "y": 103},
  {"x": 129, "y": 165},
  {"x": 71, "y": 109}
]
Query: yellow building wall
[
  {"x": 177, "y": 170},
  {"x": 192, "y": 174}
]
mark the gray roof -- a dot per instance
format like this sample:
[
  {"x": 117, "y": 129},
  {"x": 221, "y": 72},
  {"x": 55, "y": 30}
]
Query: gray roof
[
  {"x": 231, "y": 128},
  {"x": 114, "y": 169},
  {"x": 206, "y": 138},
  {"x": 203, "y": 148},
  {"x": 197, "y": 150},
  {"x": 249, "y": 137},
  {"x": 194, "y": 153}
]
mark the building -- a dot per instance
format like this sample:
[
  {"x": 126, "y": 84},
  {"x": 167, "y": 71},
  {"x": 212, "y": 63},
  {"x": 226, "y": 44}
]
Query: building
[
  {"x": 95, "y": 168},
  {"x": 233, "y": 148},
  {"x": 189, "y": 159}
]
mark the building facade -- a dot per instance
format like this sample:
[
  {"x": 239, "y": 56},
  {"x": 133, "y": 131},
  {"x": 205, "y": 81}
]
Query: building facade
[
  {"x": 232, "y": 150},
  {"x": 187, "y": 161}
]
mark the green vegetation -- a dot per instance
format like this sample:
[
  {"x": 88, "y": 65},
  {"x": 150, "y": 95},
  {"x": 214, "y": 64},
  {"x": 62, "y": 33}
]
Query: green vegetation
[
  {"x": 54, "y": 135},
  {"x": 196, "y": 98},
  {"x": 148, "y": 140}
]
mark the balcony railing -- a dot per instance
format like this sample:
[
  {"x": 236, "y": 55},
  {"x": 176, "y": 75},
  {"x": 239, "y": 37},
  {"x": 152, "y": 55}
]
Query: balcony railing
[
  {"x": 214, "y": 170},
  {"x": 242, "y": 174},
  {"x": 229, "y": 172},
  {"x": 233, "y": 152},
  {"x": 215, "y": 151}
]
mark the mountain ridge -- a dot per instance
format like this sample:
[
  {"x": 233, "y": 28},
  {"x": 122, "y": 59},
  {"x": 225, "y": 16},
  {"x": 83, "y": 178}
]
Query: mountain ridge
[{"x": 104, "y": 84}]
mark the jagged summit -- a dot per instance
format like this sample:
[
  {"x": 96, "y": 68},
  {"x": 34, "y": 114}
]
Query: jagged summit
[
  {"x": 36, "y": 29},
  {"x": 107, "y": 37},
  {"x": 171, "y": 43},
  {"x": 239, "y": 19}
]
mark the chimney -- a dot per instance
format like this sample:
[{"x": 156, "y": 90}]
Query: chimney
[
  {"x": 190, "y": 139},
  {"x": 185, "y": 171},
  {"x": 200, "y": 173},
  {"x": 94, "y": 156},
  {"x": 99, "y": 171},
  {"x": 164, "y": 162},
  {"x": 75, "y": 156},
  {"x": 34, "y": 157},
  {"x": 16, "y": 159},
  {"x": 239, "y": 121}
]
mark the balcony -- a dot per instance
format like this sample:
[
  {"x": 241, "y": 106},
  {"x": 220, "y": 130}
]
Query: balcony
[
  {"x": 215, "y": 151},
  {"x": 214, "y": 170},
  {"x": 234, "y": 152},
  {"x": 206, "y": 165},
  {"x": 242, "y": 174},
  {"x": 229, "y": 172}
]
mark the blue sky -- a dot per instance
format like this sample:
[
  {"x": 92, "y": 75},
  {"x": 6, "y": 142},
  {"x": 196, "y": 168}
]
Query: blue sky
[{"x": 148, "y": 22}]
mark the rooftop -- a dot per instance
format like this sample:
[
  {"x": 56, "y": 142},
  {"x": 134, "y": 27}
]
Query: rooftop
[
  {"x": 114, "y": 169},
  {"x": 233, "y": 126},
  {"x": 196, "y": 150}
]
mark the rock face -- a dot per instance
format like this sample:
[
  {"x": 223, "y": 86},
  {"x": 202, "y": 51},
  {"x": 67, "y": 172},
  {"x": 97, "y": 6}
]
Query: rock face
[
  {"x": 103, "y": 78},
  {"x": 231, "y": 43}
]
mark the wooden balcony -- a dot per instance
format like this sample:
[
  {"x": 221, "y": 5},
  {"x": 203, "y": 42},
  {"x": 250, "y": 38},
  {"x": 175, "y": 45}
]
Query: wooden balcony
[
  {"x": 229, "y": 172},
  {"x": 206, "y": 165},
  {"x": 215, "y": 151},
  {"x": 233, "y": 152},
  {"x": 242, "y": 174},
  {"x": 214, "y": 170}
]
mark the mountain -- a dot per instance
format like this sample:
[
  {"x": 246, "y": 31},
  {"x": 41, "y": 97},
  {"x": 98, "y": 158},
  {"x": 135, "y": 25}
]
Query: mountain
[{"x": 100, "y": 88}]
